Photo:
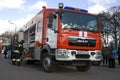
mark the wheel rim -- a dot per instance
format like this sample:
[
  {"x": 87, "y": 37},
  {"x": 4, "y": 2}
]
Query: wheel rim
[{"x": 47, "y": 63}]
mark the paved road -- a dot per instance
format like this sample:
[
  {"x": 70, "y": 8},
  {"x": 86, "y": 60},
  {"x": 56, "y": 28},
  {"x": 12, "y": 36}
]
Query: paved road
[{"x": 34, "y": 72}]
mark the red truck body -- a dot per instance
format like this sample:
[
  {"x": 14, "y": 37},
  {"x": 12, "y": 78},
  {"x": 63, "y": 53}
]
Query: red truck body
[{"x": 64, "y": 36}]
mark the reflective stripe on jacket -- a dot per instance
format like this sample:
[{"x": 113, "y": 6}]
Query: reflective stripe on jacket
[
  {"x": 16, "y": 51},
  {"x": 19, "y": 45}
]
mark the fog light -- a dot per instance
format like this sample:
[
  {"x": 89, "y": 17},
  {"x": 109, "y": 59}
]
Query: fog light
[
  {"x": 62, "y": 53},
  {"x": 92, "y": 53},
  {"x": 73, "y": 52}
]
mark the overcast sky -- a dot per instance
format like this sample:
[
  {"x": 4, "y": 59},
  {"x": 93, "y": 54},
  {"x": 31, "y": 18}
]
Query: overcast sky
[{"x": 21, "y": 11}]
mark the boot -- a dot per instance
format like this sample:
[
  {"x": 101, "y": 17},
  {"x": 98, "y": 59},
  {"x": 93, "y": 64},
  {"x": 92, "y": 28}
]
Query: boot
[
  {"x": 13, "y": 62},
  {"x": 18, "y": 63}
]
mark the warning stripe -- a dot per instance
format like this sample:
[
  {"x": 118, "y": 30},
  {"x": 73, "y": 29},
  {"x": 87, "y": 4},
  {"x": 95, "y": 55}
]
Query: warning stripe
[{"x": 83, "y": 34}]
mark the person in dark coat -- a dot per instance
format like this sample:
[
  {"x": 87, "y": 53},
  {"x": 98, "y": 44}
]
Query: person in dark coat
[
  {"x": 11, "y": 48},
  {"x": 5, "y": 53},
  {"x": 118, "y": 52},
  {"x": 112, "y": 55},
  {"x": 105, "y": 55}
]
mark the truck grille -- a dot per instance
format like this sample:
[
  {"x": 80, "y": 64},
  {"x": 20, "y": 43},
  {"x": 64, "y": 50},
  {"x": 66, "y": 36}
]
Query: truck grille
[{"x": 81, "y": 42}]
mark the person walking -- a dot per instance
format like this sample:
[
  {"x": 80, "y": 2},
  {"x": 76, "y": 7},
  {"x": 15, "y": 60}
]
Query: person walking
[
  {"x": 5, "y": 52},
  {"x": 112, "y": 55},
  {"x": 105, "y": 53}
]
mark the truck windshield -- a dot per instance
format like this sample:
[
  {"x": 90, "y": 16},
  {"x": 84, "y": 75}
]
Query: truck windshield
[{"x": 79, "y": 21}]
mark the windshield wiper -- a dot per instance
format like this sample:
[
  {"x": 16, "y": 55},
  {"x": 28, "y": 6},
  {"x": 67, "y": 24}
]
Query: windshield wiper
[
  {"x": 84, "y": 29},
  {"x": 92, "y": 31},
  {"x": 80, "y": 29},
  {"x": 73, "y": 28}
]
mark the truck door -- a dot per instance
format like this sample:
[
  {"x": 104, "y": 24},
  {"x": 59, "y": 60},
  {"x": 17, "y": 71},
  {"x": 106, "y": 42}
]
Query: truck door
[{"x": 52, "y": 30}]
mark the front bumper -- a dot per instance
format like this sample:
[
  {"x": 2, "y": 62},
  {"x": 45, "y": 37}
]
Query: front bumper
[
  {"x": 74, "y": 62},
  {"x": 70, "y": 55}
]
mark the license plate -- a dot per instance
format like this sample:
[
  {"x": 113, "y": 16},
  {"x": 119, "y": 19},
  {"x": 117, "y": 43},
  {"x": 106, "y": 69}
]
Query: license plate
[{"x": 82, "y": 52}]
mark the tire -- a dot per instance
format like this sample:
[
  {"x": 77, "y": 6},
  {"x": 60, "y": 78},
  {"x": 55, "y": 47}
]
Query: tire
[
  {"x": 84, "y": 68},
  {"x": 48, "y": 64},
  {"x": 96, "y": 63}
]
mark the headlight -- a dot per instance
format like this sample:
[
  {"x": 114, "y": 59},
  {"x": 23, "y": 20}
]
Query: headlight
[
  {"x": 98, "y": 55},
  {"x": 71, "y": 39},
  {"x": 62, "y": 53}
]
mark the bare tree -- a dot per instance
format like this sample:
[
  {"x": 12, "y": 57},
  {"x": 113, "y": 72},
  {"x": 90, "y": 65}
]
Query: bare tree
[
  {"x": 105, "y": 24},
  {"x": 8, "y": 35},
  {"x": 110, "y": 22},
  {"x": 115, "y": 22}
]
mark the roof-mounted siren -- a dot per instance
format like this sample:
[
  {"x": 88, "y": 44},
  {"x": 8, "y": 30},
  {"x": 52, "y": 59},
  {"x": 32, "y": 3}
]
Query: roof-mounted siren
[
  {"x": 44, "y": 7},
  {"x": 83, "y": 10},
  {"x": 60, "y": 5},
  {"x": 72, "y": 8}
]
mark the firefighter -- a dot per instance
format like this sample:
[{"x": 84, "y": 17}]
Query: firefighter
[
  {"x": 21, "y": 48},
  {"x": 16, "y": 54}
]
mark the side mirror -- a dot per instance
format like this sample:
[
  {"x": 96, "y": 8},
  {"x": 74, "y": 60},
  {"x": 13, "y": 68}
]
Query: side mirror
[
  {"x": 50, "y": 17},
  {"x": 56, "y": 31},
  {"x": 60, "y": 12},
  {"x": 49, "y": 25}
]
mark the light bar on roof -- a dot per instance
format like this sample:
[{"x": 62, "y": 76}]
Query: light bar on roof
[{"x": 72, "y": 8}]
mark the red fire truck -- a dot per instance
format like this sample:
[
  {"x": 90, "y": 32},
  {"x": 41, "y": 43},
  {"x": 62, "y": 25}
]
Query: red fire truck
[{"x": 63, "y": 36}]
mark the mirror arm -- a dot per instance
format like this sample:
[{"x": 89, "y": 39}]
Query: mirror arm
[{"x": 56, "y": 31}]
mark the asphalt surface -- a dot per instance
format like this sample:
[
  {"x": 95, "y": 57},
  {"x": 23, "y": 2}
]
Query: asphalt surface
[{"x": 35, "y": 72}]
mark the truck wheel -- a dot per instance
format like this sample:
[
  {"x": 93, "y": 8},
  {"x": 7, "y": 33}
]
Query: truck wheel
[
  {"x": 47, "y": 63},
  {"x": 84, "y": 68},
  {"x": 96, "y": 63}
]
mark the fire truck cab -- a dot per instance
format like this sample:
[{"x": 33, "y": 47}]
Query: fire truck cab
[{"x": 63, "y": 36}]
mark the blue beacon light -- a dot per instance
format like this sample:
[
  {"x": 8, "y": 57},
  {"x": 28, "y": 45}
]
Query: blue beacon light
[{"x": 72, "y": 8}]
